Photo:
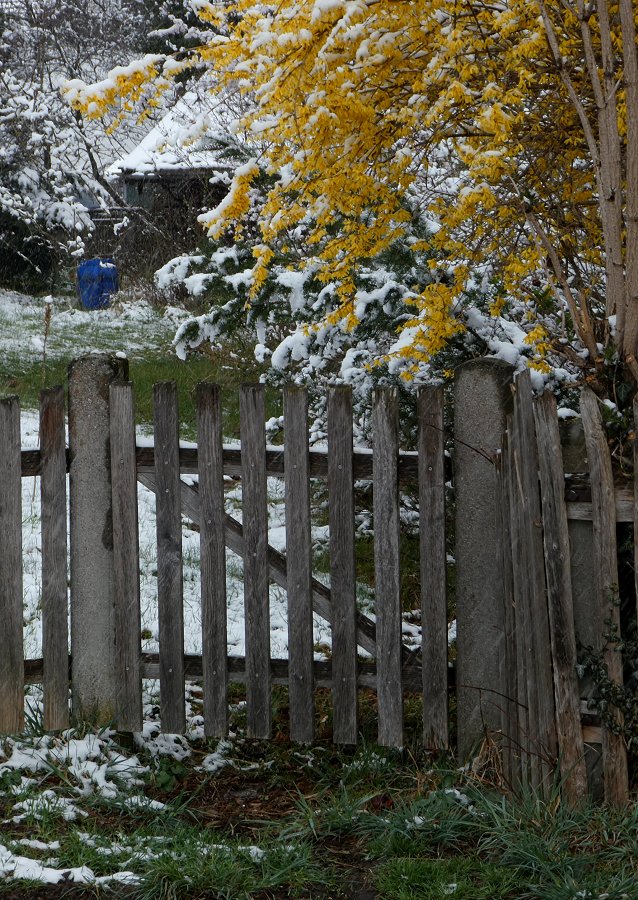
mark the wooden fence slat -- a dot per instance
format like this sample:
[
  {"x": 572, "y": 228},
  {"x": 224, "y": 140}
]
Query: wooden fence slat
[
  {"x": 126, "y": 558},
  {"x": 256, "y": 589},
  {"x": 387, "y": 581},
  {"x": 299, "y": 565},
  {"x": 541, "y": 697},
  {"x": 342, "y": 565},
  {"x": 169, "y": 559},
  {"x": 635, "y": 500},
  {"x": 431, "y": 446},
  {"x": 524, "y": 587},
  {"x": 615, "y": 775},
  {"x": 55, "y": 621},
  {"x": 213, "y": 560},
  {"x": 559, "y": 597},
  {"x": 509, "y": 711},
  {"x": 521, "y": 608},
  {"x": 11, "y": 657}
]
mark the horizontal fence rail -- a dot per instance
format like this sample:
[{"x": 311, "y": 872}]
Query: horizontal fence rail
[{"x": 577, "y": 494}]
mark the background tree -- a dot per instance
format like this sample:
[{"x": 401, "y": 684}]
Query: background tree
[
  {"x": 509, "y": 129},
  {"x": 51, "y": 160}
]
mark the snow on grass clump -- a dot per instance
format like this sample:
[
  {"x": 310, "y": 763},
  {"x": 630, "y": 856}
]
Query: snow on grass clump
[
  {"x": 17, "y": 867},
  {"x": 92, "y": 764}
]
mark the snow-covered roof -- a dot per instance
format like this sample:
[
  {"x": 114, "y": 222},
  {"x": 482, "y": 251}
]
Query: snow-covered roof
[{"x": 188, "y": 137}]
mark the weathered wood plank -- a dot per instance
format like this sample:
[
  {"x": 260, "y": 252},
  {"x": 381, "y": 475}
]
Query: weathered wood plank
[
  {"x": 522, "y": 642},
  {"x": 509, "y": 709},
  {"x": 213, "y": 560},
  {"x": 256, "y": 590},
  {"x": 581, "y": 510},
  {"x": 387, "y": 580},
  {"x": 362, "y": 469},
  {"x": 55, "y": 627},
  {"x": 571, "y": 749},
  {"x": 342, "y": 565},
  {"x": 55, "y": 620},
  {"x": 169, "y": 559},
  {"x": 431, "y": 447},
  {"x": 299, "y": 565},
  {"x": 193, "y": 670},
  {"x": 544, "y": 747},
  {"x": 126, "y": 559},
  {"x": 11, "y": 658},
  {"x": 615, "y": 773},
  {"x": 635, "y": 500},
  {"x": 318, "y": 462}
]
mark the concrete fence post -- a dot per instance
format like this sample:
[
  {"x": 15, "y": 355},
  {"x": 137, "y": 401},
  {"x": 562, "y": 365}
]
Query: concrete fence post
[
  {"x": 482, "y": 400},
  {"x": 91, "y": 537}
]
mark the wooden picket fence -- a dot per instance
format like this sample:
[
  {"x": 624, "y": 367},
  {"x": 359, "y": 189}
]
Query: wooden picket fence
[
  {"x": 539, "y": 703},
  {"x": 392, "y": 668},
  {"x": 542, "y": 708}
]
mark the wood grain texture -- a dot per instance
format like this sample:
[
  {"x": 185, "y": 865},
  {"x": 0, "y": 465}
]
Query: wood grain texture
[
  {"x": 318, "y": 461},
  {"x": 55, "y": 621},
  {"x": 387, "y": 579},
  {"x": 542, "y": 721},
  {"x": 213, "y": 560},
  {"x": 169, "y": 558},
  {"x": 193, "y": 670},
  {"x": 509, "y": 709},
  {"x": 126, "y": 558},
  {"x": 11, "y": 658},
  {"x": 635, "y": 500},
  {"x": 615, "y": 775},
  {"x": 520, "y": 586},
  {"x": 299, "y": 565},
  {"x": 342, "y": 566},
  {"x": 571, "y": 750},
  {"x": 431, "y": 448},
  {"x": 256, "y": 589}
]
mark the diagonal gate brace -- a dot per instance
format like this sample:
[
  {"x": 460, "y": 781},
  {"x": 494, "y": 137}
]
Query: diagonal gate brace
[{"x": 321, "y": 602}]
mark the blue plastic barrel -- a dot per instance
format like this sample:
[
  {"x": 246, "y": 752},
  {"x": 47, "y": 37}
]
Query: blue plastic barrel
[{"x": 97, "y": 280}]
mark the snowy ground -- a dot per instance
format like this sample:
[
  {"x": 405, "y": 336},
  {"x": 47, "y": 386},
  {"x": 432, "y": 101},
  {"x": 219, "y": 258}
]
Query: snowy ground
[{"x": 130, "y": 327}]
